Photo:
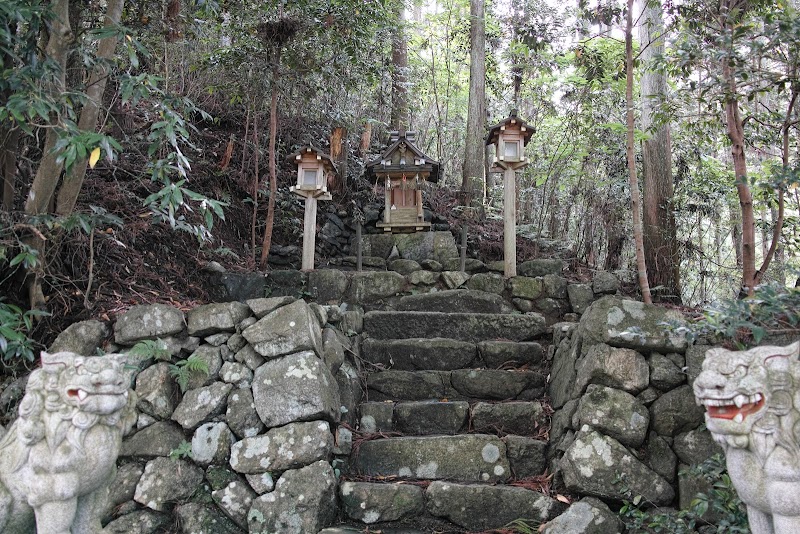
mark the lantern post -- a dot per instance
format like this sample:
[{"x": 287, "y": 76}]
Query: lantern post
[
  {"x": 313, "y": 169},
  {"x": 509, "y": 138}
]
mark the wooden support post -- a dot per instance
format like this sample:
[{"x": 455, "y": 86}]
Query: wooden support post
[
  {"x": 309, "y": 233},
  {"x": 463, "y": 264},
  {"x": 359, "y": 249},
  {"x": 510, "y": 223},
  {"x": 387, "y": 213}
]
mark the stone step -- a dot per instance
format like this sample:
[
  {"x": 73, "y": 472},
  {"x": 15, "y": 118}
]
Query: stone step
[
  {"x": 422, "y": 418},
  {"x": 459, "y": 384},
  {"x": 459, "y": 326},
  {"x": 441, "y": 354},
  {"x": 473, "y": 507},
  {"x": 465, "y": 457},
  {"x": 455, "y": 300}
]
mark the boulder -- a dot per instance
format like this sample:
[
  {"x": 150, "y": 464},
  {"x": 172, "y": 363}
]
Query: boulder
[
  {"x": 527, "y": 456},
  {"x": 467, "y": 457},
  {"x": 675, "y": 412},
  {"x": 242, "y": 286},
  {"x": 479, "y": 507},
  {"x": 298, "y": 387},
  {"x": 374, "y": 286},
  {"x": 150, "y": 321},
  {"x": 660, "y": 457},
  {"x": 403, "y": 266},
  {"x": 605, "y": 283},
  {"x": 487, "y": 282},
  {"x": 327, "y": 285},
  {"x": 695, "y": 446},
  {"x": 285, "y": 282},
  {"x": 201, "y": 404},
  {"x": 214, "y": 318},
  {"x": 421, "y": 246},
  {"x": 461, "y": 300},
  {"x": 410, "y": 385},
  {"x": 138, "y": 522},
  {"x": 377, "y": 417},
  {"x": 462, "y": 326},
  {"x": 166, "y": 481},
  {"x": 211, "y": 444},
  {"x": 241, "y": 414},
  {"x": 430, "y": 417},
  {"x": 587, "y": 516},
  {"x": 521, "y": 418},
  {"x": 631, "y": 324},
  {"x": 288, "y": 447},
  {"x": 286, "y": 330},
  {"x": 212, "y": 358},
  {"x": 278, "y": 511},
  {"x": 580, "y": 297},
  {"x": 423, "y": 278},
  {"x": 206, "y": 519},
  {"x": 261, "y": 482},
  {"x": 373, "y": 503},
  {"x": 157, "y": 392},
  {"x": 526, "y": 287},
  {"x": 378, "y": 245},
  {"x": 237, "y": 374},
  {"x": 235, "y": 500},
  {"x": 332, "y": 349},
  {"x": 454, "y": 279},
  {"x": 249, "y": 357},
  {"x": 83, "y": 338},
  {"x": 623, "y": 369},
  {"x": 554, "y": 286},
  {"x": 613, "y": 412},
  {"x": 664, "y": 374},
  {"x": 496, "y": 383},
  {"x": 496, "y": 354},
  {"x": 158, "y": 439},
  {"x": 593, "y": 464},
  {"x": 264, "y": 306},
  {"x": 540, "y": 267},
  {"x": 412, "y": 354}
]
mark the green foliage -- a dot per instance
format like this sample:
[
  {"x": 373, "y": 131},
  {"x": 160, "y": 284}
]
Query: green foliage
[
  {"x": 184, "y": 450},
  {"x": 15, "y": 325},
  {"x": 723, "y": 503},
  {"x": 523, "y": 526},
  {"x": 745, "y": 322},
  {"x": 181, "y": 371}
]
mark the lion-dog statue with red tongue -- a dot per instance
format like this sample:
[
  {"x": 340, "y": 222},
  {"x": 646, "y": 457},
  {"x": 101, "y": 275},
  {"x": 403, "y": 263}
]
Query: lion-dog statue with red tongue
[
  {"x": 59, "y": 456},
  {"x": 752, "y": 401}
]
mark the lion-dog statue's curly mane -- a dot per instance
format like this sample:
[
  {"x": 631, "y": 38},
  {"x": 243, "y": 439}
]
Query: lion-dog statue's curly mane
[
  {"x": 752, "y": 401},
  {"x": 59, "y": 456}
]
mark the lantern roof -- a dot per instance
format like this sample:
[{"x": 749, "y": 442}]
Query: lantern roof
[
  {"x": 526, "y": 129},
  {"x": 415, "y": 160},
  {"x": 327, "y": 162}
]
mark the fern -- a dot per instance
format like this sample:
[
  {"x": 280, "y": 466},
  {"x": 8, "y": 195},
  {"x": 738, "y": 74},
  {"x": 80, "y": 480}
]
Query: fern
[
  {"x": 184, "y": 450},
  {"x": 151, "y": 348},
  {"x": 184, "y": 369}
]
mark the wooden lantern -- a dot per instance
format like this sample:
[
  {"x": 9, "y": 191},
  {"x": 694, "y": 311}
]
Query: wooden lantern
[
  {"x": 313, "y": 169},
  {"x": 509, "y": 138}
]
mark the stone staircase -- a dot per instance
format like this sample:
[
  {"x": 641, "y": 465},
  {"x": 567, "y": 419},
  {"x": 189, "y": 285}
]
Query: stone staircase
[{"x": 452, "y": 417}]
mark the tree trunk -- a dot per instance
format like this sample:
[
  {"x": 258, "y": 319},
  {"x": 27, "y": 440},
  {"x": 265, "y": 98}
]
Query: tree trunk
[
  {"x": 273, "y": 173},
  {"x": 49, "y": 171},
  {"x": 473, "y": 182},
  {"x": 659, "y": 233},
  {"x": 8, "y": 165},
  {"x": 339, "y": 156},
  {"x": 256, "y": 182},
  {"x": 641, "y": 264},
  {"x": 399, "y": 118},
  {"x": 73, "y": 179}
]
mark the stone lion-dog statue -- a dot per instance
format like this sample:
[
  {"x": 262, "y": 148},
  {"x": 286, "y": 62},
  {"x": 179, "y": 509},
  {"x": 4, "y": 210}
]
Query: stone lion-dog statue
[
  {"x": 58, "y": 458},
  {"x": 752, "y": 401}
]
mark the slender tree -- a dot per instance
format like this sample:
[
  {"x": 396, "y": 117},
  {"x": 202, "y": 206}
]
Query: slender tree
[
  {"x": 472, "y": 176},
  {"x": 400, "y": 115},
  {"x": 660, "y": 240},
  {"x": 641, "y": 264}
]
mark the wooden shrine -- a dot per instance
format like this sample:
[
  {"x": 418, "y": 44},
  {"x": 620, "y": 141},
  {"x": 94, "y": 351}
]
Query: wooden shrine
[
  {"x": 313, "y": 170},
  {"x": 403, "y": 170},
  {"x": 509, "y": 138}
]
